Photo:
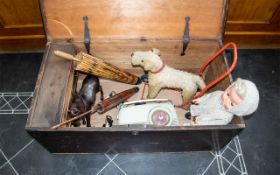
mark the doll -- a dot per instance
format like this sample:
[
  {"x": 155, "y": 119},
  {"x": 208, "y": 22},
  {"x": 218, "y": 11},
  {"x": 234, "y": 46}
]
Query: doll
[{"x": 217, "y": 108}]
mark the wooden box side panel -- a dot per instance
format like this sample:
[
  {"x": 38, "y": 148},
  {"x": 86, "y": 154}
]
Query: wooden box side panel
[
  {"x": 133, "y": 142},
  {"x": 197, "y": 53},
  {"x": 52, "y": 88},
  {"x": 118, "y": 52},
  {"x": 218, "y": 67},
  {"x": 133, "y": 19},
  {"x": 55, "y": 82}
]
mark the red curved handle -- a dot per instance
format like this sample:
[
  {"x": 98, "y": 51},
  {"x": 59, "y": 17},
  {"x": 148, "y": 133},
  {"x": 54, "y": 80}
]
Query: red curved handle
[{"x": 224, "y": 74}]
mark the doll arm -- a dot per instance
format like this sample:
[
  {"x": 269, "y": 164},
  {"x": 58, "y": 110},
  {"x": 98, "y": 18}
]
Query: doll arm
[
  {"x": 207, "y": 97},
  {"x": 218, "y": 117},
  {"x": 200, "y": 99},
  {"x": 207, "y": 104},
  {"x": 210, "y": 122}
]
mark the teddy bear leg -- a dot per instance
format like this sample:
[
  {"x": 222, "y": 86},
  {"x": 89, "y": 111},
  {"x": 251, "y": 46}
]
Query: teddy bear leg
[
  {"x": 187, "y": 96},
  {"x": 153, "y": 91}
]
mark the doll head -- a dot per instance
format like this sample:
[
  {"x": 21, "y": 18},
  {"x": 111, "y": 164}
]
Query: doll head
[{"x": 241, "y": 98}]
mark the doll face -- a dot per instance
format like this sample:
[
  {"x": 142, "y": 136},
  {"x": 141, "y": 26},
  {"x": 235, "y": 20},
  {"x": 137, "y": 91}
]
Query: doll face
[{"x": 230, "y": 98}]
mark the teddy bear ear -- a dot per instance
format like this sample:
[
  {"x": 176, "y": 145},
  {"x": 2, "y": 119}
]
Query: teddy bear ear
[{"x": 156, "y": 51}]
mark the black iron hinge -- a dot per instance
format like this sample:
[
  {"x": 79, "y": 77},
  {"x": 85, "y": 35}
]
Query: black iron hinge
[
  {"x": 186, "y": 37},
  {"x": 86, "y": 34}
]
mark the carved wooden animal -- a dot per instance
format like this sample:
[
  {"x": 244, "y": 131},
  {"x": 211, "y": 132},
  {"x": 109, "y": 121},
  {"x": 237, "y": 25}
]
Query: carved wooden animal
[{"x": 85, "y": 99}]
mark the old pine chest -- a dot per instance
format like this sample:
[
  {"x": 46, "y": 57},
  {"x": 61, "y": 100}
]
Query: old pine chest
[{"x": 116, "y": 28}]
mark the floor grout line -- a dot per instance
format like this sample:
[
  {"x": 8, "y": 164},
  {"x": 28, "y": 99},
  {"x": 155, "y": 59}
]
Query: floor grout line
[
  {"x": 15, "y": 98},
  {"x": 18, "y": 152},
  {"x": 217, "y": 153},
  {"x": 219, "y": 163},
  {"x": 209, "y": 166},
  {"x": 15, "y": 112},
  {"x": 8, "y": 162},
  {"x": 241, "y": 157},
  {"x": 231, "y": 164},
  {"x": 110, "y": 160},
  {"x": 22, "y": 102},
  {"x": 18, "y": 93},
  {"x": 232, "y": 150},
  {"x": 225, "y": 148},
  {"x": 116, "y": 164},
  {"x": 7, "y": 102}
]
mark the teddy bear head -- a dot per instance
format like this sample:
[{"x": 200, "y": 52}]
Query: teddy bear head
[{"x": 148, "y": 60}]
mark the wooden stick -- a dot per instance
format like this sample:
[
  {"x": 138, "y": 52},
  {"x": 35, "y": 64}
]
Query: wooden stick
[
  {"x": 66, "y": 56},
  {"x": 93, "y": 110},
  {"x": 104, "y": 105}
]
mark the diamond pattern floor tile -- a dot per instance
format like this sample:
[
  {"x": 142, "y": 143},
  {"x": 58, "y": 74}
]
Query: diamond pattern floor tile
[
  {"x": 12, "y": 133},
  {"x": 15, "y": 103},
  {"x": 7, "y": 170},
  {"x": 2, "y": 158}
]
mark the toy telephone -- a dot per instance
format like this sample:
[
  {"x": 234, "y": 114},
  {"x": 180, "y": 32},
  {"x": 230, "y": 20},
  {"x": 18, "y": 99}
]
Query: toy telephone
[{"x": 158, "y": 112}]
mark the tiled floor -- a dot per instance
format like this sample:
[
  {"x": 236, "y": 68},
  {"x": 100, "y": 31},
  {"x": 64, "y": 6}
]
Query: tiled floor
[
  {"x": 20, "y": 154},
  {"x": 15, "y": 102}
]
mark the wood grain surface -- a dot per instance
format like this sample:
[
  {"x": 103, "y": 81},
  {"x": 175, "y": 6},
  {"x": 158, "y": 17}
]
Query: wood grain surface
[
  {"x": 123, "y": 19},
  {"x": 21, "y": 26}
]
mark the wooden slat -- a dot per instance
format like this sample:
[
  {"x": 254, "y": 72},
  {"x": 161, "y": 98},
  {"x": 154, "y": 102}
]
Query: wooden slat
[
  {"x": 29, "y": 43},
  {"x": 253, "y": 41},
  {"x": 133, "y": 19},
  {"x": 117, "y": 52},
  {"x": 216, "y": 69},
  {"x": 248, "y": 10},
  {"x": 269, "y": 28},
  {"x": 21, "y": 26},
  {"x": 14, "y": 12},
  {"x": 51, "y": 95},
  {"x": 254, "y": 24},
  {"x": 22, "y": 30},
  {"x": 131, "y": 140}
]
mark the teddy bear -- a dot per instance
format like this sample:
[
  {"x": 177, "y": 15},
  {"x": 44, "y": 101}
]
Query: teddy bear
[{"x": 161, "y": 75}]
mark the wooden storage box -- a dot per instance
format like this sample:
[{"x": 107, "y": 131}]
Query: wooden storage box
[{"x": 117, "y": 28}]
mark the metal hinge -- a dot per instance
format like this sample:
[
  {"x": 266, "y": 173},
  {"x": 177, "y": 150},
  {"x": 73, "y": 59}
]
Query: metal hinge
[
  {"x": 86, "y": 34},
  {"x": 186, "y": 38}
]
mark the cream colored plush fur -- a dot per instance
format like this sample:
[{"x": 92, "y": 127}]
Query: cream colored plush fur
[{"x": 167, "y": 78}]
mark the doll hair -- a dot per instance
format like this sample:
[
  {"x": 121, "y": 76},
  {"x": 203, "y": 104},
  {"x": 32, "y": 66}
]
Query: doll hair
[
  {"x": 240, "y": 88},
  {"x": 249, "y": 93}
]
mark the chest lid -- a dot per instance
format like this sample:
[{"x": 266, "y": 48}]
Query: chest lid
[{"x": 133, "y": 19}]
